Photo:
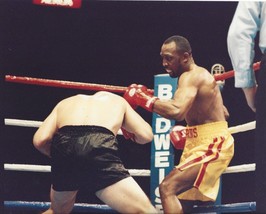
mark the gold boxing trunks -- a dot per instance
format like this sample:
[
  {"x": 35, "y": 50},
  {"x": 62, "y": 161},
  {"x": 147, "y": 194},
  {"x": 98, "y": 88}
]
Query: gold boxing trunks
[{"x": 212, "y": 146}]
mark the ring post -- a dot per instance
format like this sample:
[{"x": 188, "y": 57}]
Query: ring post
[{"x": 162, "y": 153}]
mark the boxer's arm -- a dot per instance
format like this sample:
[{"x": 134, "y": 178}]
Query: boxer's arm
[
  {"x": 43, "y": 136},
  {"x": 181, "y": 103},
  {"x": 127, "y": 135},
  {"x": 134, "y": 124},
  {"x": 175, "y": 108}
]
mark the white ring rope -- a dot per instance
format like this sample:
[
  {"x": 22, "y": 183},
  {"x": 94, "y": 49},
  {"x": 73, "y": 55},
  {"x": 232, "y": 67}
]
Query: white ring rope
[
  {"x": 31, "y": 123},
  {"x": 46, "y": 168},
  {"x": 133, "y": 172},
  {"x": 23, "y": 123},
  {"x": 242, "y": 128},
  {"x": 240, "y": 168}
]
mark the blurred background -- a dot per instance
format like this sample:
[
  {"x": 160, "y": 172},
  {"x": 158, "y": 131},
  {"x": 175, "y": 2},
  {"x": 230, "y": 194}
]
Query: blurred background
[{"x": 113, "y": 43}]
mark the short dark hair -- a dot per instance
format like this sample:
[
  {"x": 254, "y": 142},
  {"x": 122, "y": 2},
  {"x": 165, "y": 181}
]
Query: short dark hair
[{"x": 182, "y": 44}]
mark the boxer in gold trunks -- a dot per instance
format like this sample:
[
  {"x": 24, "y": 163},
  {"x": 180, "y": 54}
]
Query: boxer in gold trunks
[
  {"x": 209, "y": 147},
  {"x": 80, "y": 137}
]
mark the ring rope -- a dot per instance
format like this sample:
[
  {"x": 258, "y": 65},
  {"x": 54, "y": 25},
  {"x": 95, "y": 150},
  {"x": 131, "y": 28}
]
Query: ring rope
[
  {"x": 133, "y": 172},
  {"x": 67, "y": 84},
  {"x": 93, "y": 86},
  {"x": 47, "y": 168},
  {"x": 83, "y": 207},
  {"x": 240, "y": 168},
  {"x": 36, "y": 168},
  {"x": 242, "y": 128},
  {"x": 37, "y": 205},
  {"x": 226, "y": 208},
  {"x": 23, "y": 123},
  {"x": 31, "y": 123}
]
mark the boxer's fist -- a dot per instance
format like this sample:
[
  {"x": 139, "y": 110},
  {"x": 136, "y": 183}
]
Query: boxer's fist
[
  {"x": 138, "y": 95},
  {"x": 127, "y": 135},
  {"x": 128, "y": 96},
  {"x": 178, "y": 136}
]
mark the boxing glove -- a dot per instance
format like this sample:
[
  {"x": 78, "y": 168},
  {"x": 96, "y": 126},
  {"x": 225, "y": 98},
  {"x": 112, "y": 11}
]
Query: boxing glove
[
  {"x": 127, "y": 135},
  {"x": 138, "y": 95},
  {"x": 178, "y": 136},
  {"x": 128, "y": 96}
]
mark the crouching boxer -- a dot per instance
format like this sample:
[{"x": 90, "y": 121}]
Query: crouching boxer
[
  {"x": 209, "y": 146},
  {"x": 80, "y": 137}
]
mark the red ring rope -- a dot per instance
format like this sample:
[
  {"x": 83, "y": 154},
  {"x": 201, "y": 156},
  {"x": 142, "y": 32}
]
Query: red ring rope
[
  {"x": 66, "y": 84},
  {"x": 96, "y": 87}
]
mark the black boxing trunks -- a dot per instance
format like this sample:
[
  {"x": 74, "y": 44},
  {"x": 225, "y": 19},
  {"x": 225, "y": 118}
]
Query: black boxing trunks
[{"x": 85, "y": 156}]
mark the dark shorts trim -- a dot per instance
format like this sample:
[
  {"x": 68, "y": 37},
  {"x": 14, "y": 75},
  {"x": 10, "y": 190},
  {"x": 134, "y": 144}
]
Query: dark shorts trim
[{"x": 80, "y": 129}]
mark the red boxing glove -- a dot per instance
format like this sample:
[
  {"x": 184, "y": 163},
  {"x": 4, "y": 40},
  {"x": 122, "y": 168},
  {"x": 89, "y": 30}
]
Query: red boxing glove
[
  {"x": 127, "y": 135},
  {"x": 178, "y": 136},
  {"x": 128, "y": 98},
  {"x": 138, "y": 95}
]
